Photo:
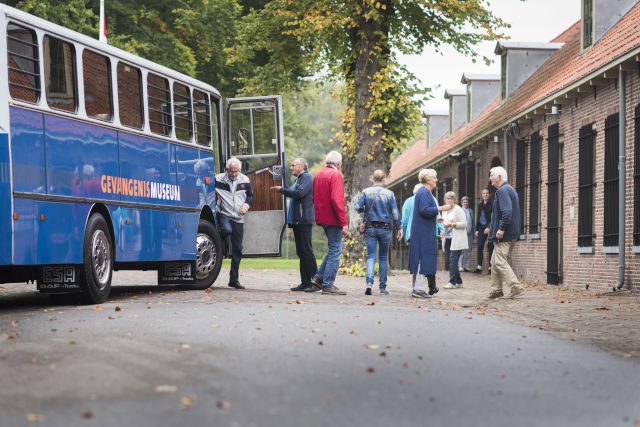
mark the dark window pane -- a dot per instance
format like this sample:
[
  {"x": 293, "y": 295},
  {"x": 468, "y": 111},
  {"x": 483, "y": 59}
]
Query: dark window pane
[
  {"x": 202, "y": 117},
  {"x": 24, "y": 71},
  {"x": 182, "y": 112},
  {"x": 60, "y": 74},
  {"x": 159, "y": 99},
  {"x": 586, "y": 184},
  {"x": 97, "y": 85},
  {"x": 611, "y": 180},
  {"x": 129, "y": 96}
]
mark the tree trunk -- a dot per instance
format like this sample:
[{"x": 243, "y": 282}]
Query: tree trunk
[{"x": 369, "y": 153}]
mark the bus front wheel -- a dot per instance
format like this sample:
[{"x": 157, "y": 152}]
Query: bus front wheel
[
  {"x": 208, "y": 255},
  {"x": 98, "y": 260}
]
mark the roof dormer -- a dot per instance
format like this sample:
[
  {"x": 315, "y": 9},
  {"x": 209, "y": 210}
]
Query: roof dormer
[
  {"x": 481, "y": 90},
  {"x": 457, "y": 107},
  {"x": 520, "y": 60},
  {"x": 599, "y": 16},
  {"x": 437, "y": 123}
]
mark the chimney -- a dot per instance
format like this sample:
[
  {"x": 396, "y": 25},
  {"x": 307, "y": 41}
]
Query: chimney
[
  {"x": 457, "y": 107},
  {"x": 437, "y": 123},
  {"x": 520, "y": 60},
  {"x": 599, "y": 16},
  {"x": 482, "y": 89}
]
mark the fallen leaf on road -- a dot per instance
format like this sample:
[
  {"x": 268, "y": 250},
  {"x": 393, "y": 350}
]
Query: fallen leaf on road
[
  {"x": 370, "y": 370},
  {"x": 320, "y": 343},
  {"x": 111, "y": 317},
  {"x": 370, "y": 303},
  {"x": 371, "y": 346},
  {"x": 299, "y": 301},
  {"x": 383, "y": 354},
  {"x": 223, "y": 404},
  {"x": 72, "y": 342},
  {"x": 87, "y": 415},
  {"x": 185, "y": 346},
  {"x": 353, "y": 333},
  {"x": 164, "y": 388},
  {"x": 118, "y": 308},
  {"x": 35, "y": 418},
  {"x": 98, "y": 307},
  {"x": 601, "y": 308},
  {"x": 208, "y": 290},
  {"x": 189, "y": 401}
]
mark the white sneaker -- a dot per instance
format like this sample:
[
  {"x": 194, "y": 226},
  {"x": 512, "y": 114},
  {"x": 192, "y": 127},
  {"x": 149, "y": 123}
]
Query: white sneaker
[
  {"x": 459, "y": 285},
  {"x": 449, "y": 286}
]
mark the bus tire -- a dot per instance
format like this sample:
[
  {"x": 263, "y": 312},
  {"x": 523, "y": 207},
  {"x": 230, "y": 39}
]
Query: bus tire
[
  {"x": 208, "y": 255},
  {"x": 98, "y": 260}
]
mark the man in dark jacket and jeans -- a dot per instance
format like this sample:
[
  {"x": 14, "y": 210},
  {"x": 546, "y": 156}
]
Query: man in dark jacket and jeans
[
  {"x": 504, "y": 233},
  {"x": 300, "y": 219}
]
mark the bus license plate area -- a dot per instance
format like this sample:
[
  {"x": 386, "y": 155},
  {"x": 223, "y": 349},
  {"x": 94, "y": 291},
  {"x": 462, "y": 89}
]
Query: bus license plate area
[
  {"x": 60, "y": 278},
  {"x": 183, "y": 272}
]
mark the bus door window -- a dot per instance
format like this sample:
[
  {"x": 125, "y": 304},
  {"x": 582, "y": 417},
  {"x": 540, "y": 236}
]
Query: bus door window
[
  {"x": 159, "y": 100},
  {"x": 60, "y": 74},
  {"x": 97, "y": 85},
  {"x": 216, "y": 133},
  {"x": 182, "y": 112},
  {"x": 202, "y": 118},
  {"x": 129, "y": 96},
  {"x": 23, "y": 64}
]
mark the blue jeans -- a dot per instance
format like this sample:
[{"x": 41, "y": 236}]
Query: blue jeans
[
  {"x": 454, "y": 272},
  {"x": 329, "y": 268},
  {"x": 377, "y": 238}
]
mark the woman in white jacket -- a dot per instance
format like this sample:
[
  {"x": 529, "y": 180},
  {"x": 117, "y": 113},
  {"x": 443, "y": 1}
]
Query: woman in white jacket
[{"x": 456, "y": 221}]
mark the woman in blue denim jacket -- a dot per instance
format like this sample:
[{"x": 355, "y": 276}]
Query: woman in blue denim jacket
[{"x": 380, "y": 214}]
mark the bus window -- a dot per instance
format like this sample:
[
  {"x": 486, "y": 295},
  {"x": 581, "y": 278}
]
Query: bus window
[
  {"x": 182, "y": 112},
  {"x": 129, "y": 96},
  {"x": 202, "y": 117},
  {"x": 264, "y": 129},
  {"x": 216, "y": 131},
  {"x": 24, "y": 70},
  {"x": 97, "y": 85},
  {"x": 60, "y": 74},
  {"x": 159, "y": 99}
]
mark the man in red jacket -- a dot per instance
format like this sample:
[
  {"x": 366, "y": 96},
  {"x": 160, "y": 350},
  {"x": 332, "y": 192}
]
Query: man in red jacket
[{"x": 331, "y": 214}]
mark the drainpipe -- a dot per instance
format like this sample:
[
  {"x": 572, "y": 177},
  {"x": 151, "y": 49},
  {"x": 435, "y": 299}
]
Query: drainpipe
[{"x": 622, "y": 187}]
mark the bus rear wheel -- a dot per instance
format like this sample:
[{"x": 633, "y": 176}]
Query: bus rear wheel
[
  {"x": 98, "y": 260},
  {"x": 208, "y": 255}
]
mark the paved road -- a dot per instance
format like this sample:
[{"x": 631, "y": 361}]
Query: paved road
[{"x": 163, "y": 357}]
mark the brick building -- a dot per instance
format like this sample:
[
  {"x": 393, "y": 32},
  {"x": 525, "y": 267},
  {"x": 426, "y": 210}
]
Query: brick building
[{"x": 557, "y": 118}]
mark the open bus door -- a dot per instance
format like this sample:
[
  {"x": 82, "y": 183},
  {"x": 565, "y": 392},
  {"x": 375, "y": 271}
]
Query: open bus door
[{"x": 255, "y": 136}]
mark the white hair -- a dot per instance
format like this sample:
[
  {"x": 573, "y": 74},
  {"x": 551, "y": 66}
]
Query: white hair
[
  {"x": 499, "y": 171},
  {"x": 427, "y": 175},
  {"x": 233, "y": 161},
  {"x": 333, "y": 158},
  {"x": 416, "y": 188}
]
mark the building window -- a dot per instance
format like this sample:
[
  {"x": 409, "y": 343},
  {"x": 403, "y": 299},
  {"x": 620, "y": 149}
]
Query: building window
[
  {"x": 636, "y": 178},
  {"x": 521, "y": 179},
  {"x": 586, "y": 185},
  {"x": 440, "y": 192},
  {"x": 534, "y": 183},
  {"x": 503, "y": 75},
  {"x": 159, "y": 101},
  {"x": 611, "y": 180},
  {"x": 60, "y": 74},
  {"x": 182, "y": 113},
  {"x": 587, "y": 23},
  {"x": 23, "y": 64},
  {"x": 129, "y": 96},
  {"x": 97, "y": 85}
]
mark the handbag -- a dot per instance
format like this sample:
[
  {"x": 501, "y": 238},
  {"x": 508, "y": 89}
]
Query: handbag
[{"x": 362, "y": 227}]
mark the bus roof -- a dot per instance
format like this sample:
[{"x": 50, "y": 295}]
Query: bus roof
[{"x": 42, "y": 24}]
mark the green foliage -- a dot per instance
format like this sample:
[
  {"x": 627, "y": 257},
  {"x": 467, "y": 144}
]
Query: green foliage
[
  {"x": 354, "y": 256},
  {"x": 73, "y": 14}
]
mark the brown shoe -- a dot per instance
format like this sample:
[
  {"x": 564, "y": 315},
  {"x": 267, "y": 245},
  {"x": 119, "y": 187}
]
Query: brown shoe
[{"x": 496, "y": 293}]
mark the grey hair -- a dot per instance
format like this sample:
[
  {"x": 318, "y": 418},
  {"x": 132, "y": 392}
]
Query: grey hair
[
  {"x": 416, "y": 188},
  {"x": 303, "y": 162},
  {"x": 501, "y": 172},
  {"x": 427, "y": 175},
  {"x": 378, "y": 175},
  {"x": 233, "y": 161},
  {"x": 333, "y": 158},
  {"x": 451, "y": 194}
]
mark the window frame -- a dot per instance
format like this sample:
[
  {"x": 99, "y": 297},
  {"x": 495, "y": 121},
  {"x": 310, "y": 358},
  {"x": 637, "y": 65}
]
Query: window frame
[
  {"x": 141, "y": 95},
  {"x": 110, "y": 84},
  {"x": 35, "y": 46},
  {"x": 586, "y": 187},
  {"x": 71, "y": 81},
  {"x": 535, "y": 162},
  {"x": 611, "y": 182}
]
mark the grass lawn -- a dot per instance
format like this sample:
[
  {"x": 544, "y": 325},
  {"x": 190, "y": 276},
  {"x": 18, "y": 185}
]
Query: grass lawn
[{"x": 266, "y": 263}]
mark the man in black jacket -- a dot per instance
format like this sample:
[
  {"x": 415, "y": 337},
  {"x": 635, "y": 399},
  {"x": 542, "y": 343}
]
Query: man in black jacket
[
  {"x": 301, "y": 219},
  {"x": 482, "y": 228},
  {"x": 504, "y": 233}
]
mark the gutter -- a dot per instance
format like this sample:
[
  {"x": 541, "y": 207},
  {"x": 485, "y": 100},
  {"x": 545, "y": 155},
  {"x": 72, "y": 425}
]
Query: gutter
[{"x": 622, "y": 176}]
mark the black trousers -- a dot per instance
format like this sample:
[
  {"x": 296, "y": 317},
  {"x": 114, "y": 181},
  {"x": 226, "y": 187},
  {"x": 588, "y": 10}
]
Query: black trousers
[
  {"x": 304, "y": 250},
  {"x": 227, "y": 228},
  {"x": 447, "y": 253},
  {"x": 481, "y": 239}
]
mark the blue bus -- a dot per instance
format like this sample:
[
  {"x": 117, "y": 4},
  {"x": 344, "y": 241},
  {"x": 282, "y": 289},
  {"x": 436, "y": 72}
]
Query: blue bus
[{"x": 108, "y": 162}]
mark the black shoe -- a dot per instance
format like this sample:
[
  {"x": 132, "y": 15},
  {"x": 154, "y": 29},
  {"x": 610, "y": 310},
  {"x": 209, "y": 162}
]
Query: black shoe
[
  {"x": 235, "y": 285},
  {"x": 317, "y": 282},
  {"x": 367, "y": 291},
  {"x": 312, "y": 288},
  {"x": 332, "y": 290},
  {"x": 477, "y": 271},
  {"x": 301, "y": 287},
  {"x": 433, "y": 291},
  {"x": 466, "y": 270}
]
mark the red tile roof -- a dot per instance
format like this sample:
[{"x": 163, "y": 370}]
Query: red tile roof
[{"x": 565, "y": 68}]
